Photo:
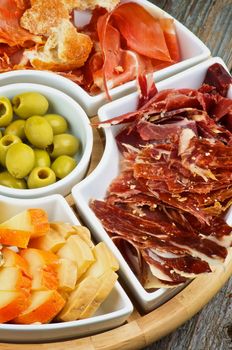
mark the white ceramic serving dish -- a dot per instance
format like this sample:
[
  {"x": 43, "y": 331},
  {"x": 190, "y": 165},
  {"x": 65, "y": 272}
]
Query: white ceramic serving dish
[
  {"x": 192, "y": 50},
  {"x": 96, "y": 184},
  {"x": 79, "y": 126},
  {"x": 112, "y": 313}
]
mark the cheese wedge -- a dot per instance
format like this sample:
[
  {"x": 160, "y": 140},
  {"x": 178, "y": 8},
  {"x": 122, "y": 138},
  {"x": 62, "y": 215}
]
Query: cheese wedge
[
  {"x": 44, "y": 306},
  {"x": 42, "y": 267},
  {"x": 52, "y": 241},
  {"x": 18, "y": 229},
  {"x": 12, "y": 303},
  {"x": 13, "y": 279},
  {"x": 79, "y": 299},
  {"x": 107, "y": 282},
  {"x": 104, "y": 260},
  {"x": 67, "y": 274},
  {"x": 78, "y": 251}
]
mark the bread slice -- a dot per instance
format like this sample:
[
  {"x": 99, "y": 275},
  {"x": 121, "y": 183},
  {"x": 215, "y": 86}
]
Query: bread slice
[
  {"x": 91, "y": 4},
  {"x": 43, "y": 16},
  {"x": 65, "y": 49}
]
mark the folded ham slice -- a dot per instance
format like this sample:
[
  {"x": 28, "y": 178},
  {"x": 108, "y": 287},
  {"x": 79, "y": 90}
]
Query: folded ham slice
[{"x": 11, "y": 32}]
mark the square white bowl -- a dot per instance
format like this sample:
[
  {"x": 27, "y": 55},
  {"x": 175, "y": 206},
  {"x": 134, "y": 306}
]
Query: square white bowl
[
  {"x": 96, "y": 184},
  {"x": 192, "y": 51},
  {"x": 113, "y": 311}
]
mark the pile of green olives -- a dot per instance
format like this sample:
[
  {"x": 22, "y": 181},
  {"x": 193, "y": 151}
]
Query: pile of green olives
[{"x": 36, "y": 149}]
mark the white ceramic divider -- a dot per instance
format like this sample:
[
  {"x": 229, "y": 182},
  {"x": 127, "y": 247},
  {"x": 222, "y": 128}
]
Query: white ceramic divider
[{"x": 96, "y": 184}]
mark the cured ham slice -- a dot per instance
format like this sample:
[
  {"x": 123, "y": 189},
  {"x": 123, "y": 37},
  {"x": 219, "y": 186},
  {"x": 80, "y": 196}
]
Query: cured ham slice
[
  {"x": 165, "y": 209},
  {"x": 127, "y": 50},
  {"x": 219, "y": 78},
  {"x": 11, "y": 32},
  {"x": 119, "y": 65},
  {"x": 149, "y": 41},
  {"x": 168, "y": 28}
]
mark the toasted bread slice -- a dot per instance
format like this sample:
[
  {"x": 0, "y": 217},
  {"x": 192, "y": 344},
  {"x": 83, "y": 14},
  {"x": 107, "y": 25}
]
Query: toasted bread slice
[
  {"x": 43, "y": 16},
  {"x": 65, "y": 49},
  {"x": 91, "y": 4}
]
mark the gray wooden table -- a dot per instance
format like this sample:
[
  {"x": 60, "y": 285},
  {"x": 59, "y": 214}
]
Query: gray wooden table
[{"x": 210, "y": 329}]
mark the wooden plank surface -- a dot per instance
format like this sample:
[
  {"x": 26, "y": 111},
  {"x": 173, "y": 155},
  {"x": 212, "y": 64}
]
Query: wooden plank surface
[{"x": 210, "y": 329}]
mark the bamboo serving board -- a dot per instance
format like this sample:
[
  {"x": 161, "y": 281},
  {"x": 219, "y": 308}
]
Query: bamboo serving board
[{"x": 141, "y": 330}]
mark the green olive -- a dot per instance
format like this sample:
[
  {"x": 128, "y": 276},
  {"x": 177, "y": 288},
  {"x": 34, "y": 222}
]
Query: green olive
[
  {"x": 63, "y": 165},
  {"x": 58, "y": 123},
  {"x": 20, "y": 160},
  {"x": 63, "y": 144},
  {"x": 0, "y": 134},
  {"x": 41, "y": 158},
  {"x": 41, "y": 177},
  {"x": 38, "y": 131},
  {"x": 5, "y": 143},
  {"x": 16, "y": 128},
  {"x": 6, "y": 111},
  {"x": 29, "y": 103},
  {"x": 6, "y": 179}
]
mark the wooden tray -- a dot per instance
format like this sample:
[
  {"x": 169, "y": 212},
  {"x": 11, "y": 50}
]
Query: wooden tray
[{"x": 141, "y": 330}]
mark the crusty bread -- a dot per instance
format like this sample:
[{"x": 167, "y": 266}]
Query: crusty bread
[
  {"x": 43, "y": 16},
  {"x": 65, "y": 49},
  {"x": 47, "y": 14},
  {"x": 90, "y": 4}
]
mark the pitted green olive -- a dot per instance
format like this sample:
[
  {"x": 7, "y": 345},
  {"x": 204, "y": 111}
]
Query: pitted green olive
[
  {"x": 5, "y": 143},
  {"x": 63, "y": 144},
  {"x": 63, "y": 165},
  {"x": 16, "y": 128},
  {"x": 38, "y": 131},
  {"x": 41, "y": 177},
  {"x": 6, "y": 179},
  {"x": 28, "y": 104},
  {"x": 6, "y": 111},
  {"x": 20, "y": 160},
  {"x": 57, "y": 122},
  {"x": 41, "y": 158}
]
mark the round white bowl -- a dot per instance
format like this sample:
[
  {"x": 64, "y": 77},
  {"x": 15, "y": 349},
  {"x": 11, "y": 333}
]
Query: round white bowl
[{"x": 79, "y": 126}]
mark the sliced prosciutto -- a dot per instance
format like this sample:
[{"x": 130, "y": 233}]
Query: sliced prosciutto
[
  {"x": 11, "y": 33},
  {"x": 165, "y": 209},
  {"x": 132, "y": 43},
  {"x": 147, "y": 40}
]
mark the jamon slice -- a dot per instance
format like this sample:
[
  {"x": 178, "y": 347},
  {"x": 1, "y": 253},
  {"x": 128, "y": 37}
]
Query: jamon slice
[
  {"x": 217, "y": 76},
  {"x": 218, "y": 230},
  {"x": 11, "y": 32},
  {"x": 119, "y": 65},
  {"x": 152, "y": 233},
  {"x": 147, "y": 40},
  {"x": 170, "y": 36},
  {"x": 162, "y": 270}
]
